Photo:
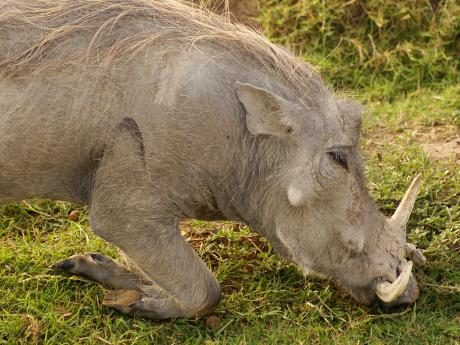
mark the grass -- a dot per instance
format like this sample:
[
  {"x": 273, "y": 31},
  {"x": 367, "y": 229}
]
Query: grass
[
  {"x": 386, "y": 47},
  {"x": 266, "y": 301}
]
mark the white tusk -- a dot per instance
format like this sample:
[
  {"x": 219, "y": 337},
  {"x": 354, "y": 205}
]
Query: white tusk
[
  {"x": 388, "y": 292},
  {"x": 402, "y": 213}
]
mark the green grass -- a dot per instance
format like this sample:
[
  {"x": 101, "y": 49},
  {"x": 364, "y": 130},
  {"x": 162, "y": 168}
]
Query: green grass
[
  {"x": 386, "y": 47},
  {"x": 266, "y": 301}
]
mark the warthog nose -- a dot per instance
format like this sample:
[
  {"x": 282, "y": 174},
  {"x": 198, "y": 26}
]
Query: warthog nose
[
  {"x": 410, "y": 294},
  {"x": 390, "y": 292}
]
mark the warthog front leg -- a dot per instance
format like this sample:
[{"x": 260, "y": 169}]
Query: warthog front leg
[
  {"x": 186, "y": 289},
  {"x": 130, "y": 210},
  {"x": 173, "y": 281},
  {"x": 133, "y": 294}
]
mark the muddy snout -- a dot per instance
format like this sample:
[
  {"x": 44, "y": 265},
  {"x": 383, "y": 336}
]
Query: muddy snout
[
  {"x": 409, "y": 295},
  {"x": 403, "y": 290}
]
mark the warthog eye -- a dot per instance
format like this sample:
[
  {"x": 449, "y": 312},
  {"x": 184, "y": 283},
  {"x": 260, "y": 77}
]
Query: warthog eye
[{"x": 339, "y": 158}]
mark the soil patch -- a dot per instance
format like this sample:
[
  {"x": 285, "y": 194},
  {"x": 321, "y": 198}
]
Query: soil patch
[
  {"x": 441, "y": 142},
  {"x": 241, "y": 11},
  {"x": 438, "y": 147}
]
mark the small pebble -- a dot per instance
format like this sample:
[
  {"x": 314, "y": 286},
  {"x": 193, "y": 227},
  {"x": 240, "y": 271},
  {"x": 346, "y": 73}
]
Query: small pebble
[
  {"x": 212, "y": 322},
  {"x": 74, "y": 215}
]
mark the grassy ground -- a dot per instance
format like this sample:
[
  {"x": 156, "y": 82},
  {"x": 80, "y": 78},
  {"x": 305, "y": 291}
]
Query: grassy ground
[{"x": 266, "y": 301}]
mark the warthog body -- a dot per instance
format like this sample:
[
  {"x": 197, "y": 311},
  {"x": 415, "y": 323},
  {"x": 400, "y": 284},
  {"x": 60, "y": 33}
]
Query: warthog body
[{"x": 151, "y": 112}]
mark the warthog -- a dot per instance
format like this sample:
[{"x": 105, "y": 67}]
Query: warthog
[{"x": 152, "y": 112}]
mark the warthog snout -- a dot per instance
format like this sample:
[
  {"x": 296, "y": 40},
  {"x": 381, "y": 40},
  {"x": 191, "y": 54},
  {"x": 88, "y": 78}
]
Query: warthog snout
[{"x": 403, "y": 289}]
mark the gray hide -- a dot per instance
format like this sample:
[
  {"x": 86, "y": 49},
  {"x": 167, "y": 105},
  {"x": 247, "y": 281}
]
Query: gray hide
[{"x": 152, "y": 112}]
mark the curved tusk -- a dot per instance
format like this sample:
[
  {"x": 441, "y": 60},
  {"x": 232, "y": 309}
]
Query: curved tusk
[
  {"x": 388, "y": 292},
  {"x": 414, "y": 254},
  {"x": 402, "y": 213}
]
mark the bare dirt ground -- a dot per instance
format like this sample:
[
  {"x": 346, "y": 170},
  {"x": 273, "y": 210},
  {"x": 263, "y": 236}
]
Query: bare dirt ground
[
  {"x": 240, "y": 11},
  {"x": 442, "y": 143},
  {"x": 441, "y": 146},
  {"x": 243, "y": 10}
]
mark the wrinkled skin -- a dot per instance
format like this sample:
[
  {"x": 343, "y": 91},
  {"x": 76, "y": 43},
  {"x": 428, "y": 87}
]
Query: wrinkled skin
[
  {"x": 328, "y": 223},
  {"x": 174, "y": 133}
]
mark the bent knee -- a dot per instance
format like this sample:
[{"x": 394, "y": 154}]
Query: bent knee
[
  {"x": 211, "y": 302},
  {"x": 208, "y": 303}
]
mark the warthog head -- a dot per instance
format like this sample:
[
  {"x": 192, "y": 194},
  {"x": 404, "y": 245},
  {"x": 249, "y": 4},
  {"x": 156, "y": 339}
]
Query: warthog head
[{"x": 316, "y": 200}]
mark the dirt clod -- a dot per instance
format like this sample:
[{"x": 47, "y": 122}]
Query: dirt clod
[
  {"x": 212, "y": 322},
  {"x": 74, "y": 215}
]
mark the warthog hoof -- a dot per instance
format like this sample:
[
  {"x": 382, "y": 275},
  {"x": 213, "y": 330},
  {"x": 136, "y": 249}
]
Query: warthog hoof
[{"x": 101, "y": 269}]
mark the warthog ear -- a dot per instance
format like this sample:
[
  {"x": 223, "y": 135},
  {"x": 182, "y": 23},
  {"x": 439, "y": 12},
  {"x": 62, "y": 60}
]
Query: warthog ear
[{"x": 266, "y": 113}]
